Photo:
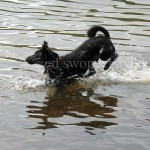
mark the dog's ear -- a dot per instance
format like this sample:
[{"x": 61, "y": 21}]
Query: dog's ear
[
  {"x": 48, "y": 52},
  {"x": 45, "y": 44}
]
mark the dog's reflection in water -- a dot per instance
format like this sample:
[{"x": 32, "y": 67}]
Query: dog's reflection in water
[
  {"x": 69, "y": 85},
  {"x": 75, "y": 101}
]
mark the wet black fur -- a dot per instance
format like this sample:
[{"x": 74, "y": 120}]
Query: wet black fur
[{"x": 93, "y": 49}]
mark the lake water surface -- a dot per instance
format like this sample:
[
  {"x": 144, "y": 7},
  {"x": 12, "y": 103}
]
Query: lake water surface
[{"x": 108, "y": 111}]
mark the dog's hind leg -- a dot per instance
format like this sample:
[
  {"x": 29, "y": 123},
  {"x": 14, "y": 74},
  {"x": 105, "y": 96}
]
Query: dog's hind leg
[
  {"x": 113, "y": 58},
  {"x": 91, "y": 70}
]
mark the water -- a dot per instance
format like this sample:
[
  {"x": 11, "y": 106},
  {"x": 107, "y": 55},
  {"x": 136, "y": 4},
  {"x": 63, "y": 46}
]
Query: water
[{"x": 107, "y": 111}]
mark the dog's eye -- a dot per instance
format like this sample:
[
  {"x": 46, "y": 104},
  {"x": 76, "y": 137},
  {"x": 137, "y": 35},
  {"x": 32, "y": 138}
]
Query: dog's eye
[{"x": 38, "y": 55}]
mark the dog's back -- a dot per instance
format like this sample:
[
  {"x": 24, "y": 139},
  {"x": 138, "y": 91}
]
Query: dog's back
[{"x": 92, "y": 46}]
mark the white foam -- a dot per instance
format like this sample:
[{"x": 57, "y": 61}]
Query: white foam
[
  {"x": 23, "y": 83},
  {"x": 125, "y": 69}
]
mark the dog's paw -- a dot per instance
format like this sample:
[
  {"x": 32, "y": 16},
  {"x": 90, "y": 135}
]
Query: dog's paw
[{"x": 107, "y": 65}]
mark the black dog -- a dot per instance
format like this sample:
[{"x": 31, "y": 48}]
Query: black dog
[{"x": 76, "y": 63}]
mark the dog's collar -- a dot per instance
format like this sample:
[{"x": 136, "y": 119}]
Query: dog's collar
[{"x": 59, "y": 58}]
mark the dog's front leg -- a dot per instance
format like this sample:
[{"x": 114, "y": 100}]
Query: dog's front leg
[
  {"x": 59, "y": 83},
  {"x": 48, "y": 80}
]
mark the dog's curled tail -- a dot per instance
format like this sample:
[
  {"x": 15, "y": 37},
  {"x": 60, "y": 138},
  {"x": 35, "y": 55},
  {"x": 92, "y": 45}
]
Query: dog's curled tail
[{"x": 93, "y": 30}]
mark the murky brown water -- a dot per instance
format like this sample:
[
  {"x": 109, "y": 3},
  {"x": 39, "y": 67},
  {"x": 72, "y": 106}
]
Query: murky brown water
[{"x": 110, "y": 110}]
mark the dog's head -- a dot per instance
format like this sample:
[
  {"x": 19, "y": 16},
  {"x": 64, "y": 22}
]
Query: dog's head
[{"x": 43, "y": 55}]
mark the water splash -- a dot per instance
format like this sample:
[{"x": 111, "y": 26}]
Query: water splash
[
  {"x": 125, "y": 69},
  {"x": 23, "y": 83}
]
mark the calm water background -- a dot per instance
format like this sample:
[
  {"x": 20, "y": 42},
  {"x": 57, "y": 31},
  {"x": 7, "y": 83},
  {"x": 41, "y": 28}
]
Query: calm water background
[{"x": 110, "y": 110}]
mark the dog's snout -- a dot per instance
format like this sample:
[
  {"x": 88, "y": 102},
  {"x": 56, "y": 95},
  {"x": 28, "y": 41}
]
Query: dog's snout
[{"x": 29, "y": 60}]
